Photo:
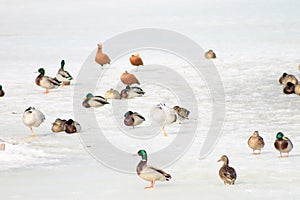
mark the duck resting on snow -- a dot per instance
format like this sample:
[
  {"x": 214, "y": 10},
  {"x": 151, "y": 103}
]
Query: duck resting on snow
[{"x": 33, "y": 118}]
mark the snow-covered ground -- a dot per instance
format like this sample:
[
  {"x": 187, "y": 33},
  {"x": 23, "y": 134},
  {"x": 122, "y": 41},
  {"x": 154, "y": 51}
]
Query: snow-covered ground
[{"x": 255, "y": 42}]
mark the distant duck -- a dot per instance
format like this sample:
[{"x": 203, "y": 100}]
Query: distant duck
[
  {"x": 285, "y": 78},
  {"x": 289, "y": 88},
  {"x": 2, "y": 93},
  {"x": 101, "y": 58},
  {"x": 63, "y": 75},
  {"x": 210, "y": 54},
  {"x": 45, "y": 81},
  {"x": 136, "y": 60},
  {"x": 133, "y": 119},
  {"x": 131, "y": 92},
  {"x": 33, "y": 118},
  {"x": 182, "y": 113},
  {"x": 129, "y": 79},
  {"x": 149, "y": 173},
  {"x": 227, "y": 173},
  {"x": 164, "y": 116},
  {"x": 283, "y": 144},
  {"x": 58, "y": 125},
  {"x": 93, "y": 101},
  {"x": 256, "y": 142},
  {"x": 112, "y": 94},
  {"x": 72, "y": 126}
]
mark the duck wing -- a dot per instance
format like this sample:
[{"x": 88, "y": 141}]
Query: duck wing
[{"x": 166, "y": 175}]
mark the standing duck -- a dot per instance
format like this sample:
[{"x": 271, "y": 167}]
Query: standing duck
[
  {"x": 131, "y": 92},
  {"x": 283, "y": 144},
  {"x": 101, "y": 58},
  {"x": 149, "y": 173},
  {"x": 63, "y": 75},
  {"x": 129, "y": 79},
  {"x": 163, "y": 115},
  {"x": 93, "y": 101},
  {"x": 182, "y": 113},
  {"x": 285, "y": 78},
  {"x": 210, "y": 54},
  {"x": 112, "y": 94},
  {"x": 45, "y": 81},
  {"x": 227, "y": 173},
  {"x": 72, "y": 126},
  {"x": 136, "y": 60},
  {"x": 58, "y": 125},
  {"x": 133, "y": 119},
  {"x": 2, "y": 93},
  {"x": 289, "y": 88},
  {"x": 33, "y": 118},
  {"x": 256, "y": 142}
]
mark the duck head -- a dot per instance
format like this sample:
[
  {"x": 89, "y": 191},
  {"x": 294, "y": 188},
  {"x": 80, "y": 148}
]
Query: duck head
[
  {"x": 89, "y": 95},
  {"x": 62, "y": 64},
  {"x": 141, "y": 153},
  {"x": 41, "y": 71},
  {"x": 280, "y": 136},
  {"x": 127, "y": 114},
  {"x": 224, "y": 159}
]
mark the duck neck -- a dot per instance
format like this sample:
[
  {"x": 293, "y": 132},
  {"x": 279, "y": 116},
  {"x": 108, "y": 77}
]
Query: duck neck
[
  {"x": 141, "y": 166},
  {"x": 226, "y": 162}
]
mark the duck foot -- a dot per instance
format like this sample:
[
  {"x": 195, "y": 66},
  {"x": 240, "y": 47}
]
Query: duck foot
[{"x": 151, "y": 186}]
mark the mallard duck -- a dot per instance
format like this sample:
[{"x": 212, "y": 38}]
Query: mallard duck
[
  {"x": 93, "y": 101},
  {"x": 227, "y": 173},
  {"x": 101, "y": 58},
  {"x": 131, "y": 92},
  {"x": 33, "y": 118},
  {"x": 112, "y": 94},
  {"x": 45, "y": 81},
  {"x": 58, "y": 125},
  {"x": 63, "y": 75},
  {"x": 163, "y": 115},
  {"x": 182, "y": 113},
  {"x": 129, "y": 79},
  {"x": 2, "y": 93},
  {"x": 136, "y": 60},
  {"x": 72, "y": 126},
  {"x": 283, "y": 144},
  {"x": 210, "y": 54},
  {"x": 256, "y": 142},
  {"x": 133, "y": 119},
  {"x": 289, "y": 88},
  {"x": 285, "y": 78},
  {"x": 149, "y": 173}
]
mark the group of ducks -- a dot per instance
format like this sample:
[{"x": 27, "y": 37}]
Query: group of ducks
[{"x": 227, "y": 173}]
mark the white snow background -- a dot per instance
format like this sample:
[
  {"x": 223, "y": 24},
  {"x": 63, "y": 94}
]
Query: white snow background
[{"x": 255, "y": 42}]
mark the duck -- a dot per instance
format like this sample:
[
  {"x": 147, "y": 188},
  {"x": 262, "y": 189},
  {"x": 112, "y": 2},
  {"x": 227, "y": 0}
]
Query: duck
[
  {"x": 297, "y": 89},
  {"x": 283, "y": 144},
  {"x": 133, "y": 119},
  {"x": 149, "y": 173},
  {"x": 58, "y": 125},
  {"x": 46, "y": 81},
  {"x": 72, "y": 126},
  {"x": 2, "y": 93},
  {"x": 285, "y": 78},
  {"x": 112, "y": 94},
  {"x": 136, "y": 60},
  {"x": 93, "y": 101},
  {"x": 129, "y": 79},
  {"x": 227, "y": 173},
  {"x": 182, "y": 113},
  {"x": 131, "y": 92},
  {"x": 289, "y": 88},
  {"x": 101, "y": 58},
  {"x": 163, "y": 115},
  {"x": 33, "y": 118},
  {"x": 256, "y": 142},
  {"x": 63, "y": 76},
  {"x": 210, "y": 54}
]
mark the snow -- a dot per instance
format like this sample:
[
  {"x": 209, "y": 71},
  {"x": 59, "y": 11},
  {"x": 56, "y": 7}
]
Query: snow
[{"x": 255, "y": 43}]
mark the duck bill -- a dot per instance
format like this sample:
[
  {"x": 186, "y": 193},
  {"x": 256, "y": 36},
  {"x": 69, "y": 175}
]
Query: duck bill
[
  {"x": 219, "y": 160},
  {"x": 135, "y": 154},
  {"x": 284, "y": 138}
]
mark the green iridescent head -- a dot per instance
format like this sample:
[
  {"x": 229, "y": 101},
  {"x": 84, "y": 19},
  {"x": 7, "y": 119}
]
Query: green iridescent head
[
  {"x": 62, "y": 64},
  {"x": 143, "y": 154},
  {"x": 41, "y": 71},
  {"x": 89, "y": 95},
  {"x": 279, "y": 135}
]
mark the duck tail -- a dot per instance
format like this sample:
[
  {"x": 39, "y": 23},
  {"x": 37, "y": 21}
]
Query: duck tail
[{"x": 168, "y": 176}]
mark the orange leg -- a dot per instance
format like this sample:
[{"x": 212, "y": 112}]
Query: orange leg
[
  {"x": 32, "y": 133},
  {"x": 151, "y": 186},
  {"x": 165, "y": 133},
  {"x": 47, "y": 91}
]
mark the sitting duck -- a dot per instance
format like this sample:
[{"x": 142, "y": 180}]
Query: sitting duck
[
  {"x": 92, "y": 101},
  {"x": 133, "y": 119}
]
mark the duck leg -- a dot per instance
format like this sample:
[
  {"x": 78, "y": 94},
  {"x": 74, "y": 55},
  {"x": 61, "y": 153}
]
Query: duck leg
[
  {"x": 151, "y": 186},
  {"x": 165, "y": 133},
  {"x": 47, "y": 91},
  {"x": 32, "y": 133}
]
